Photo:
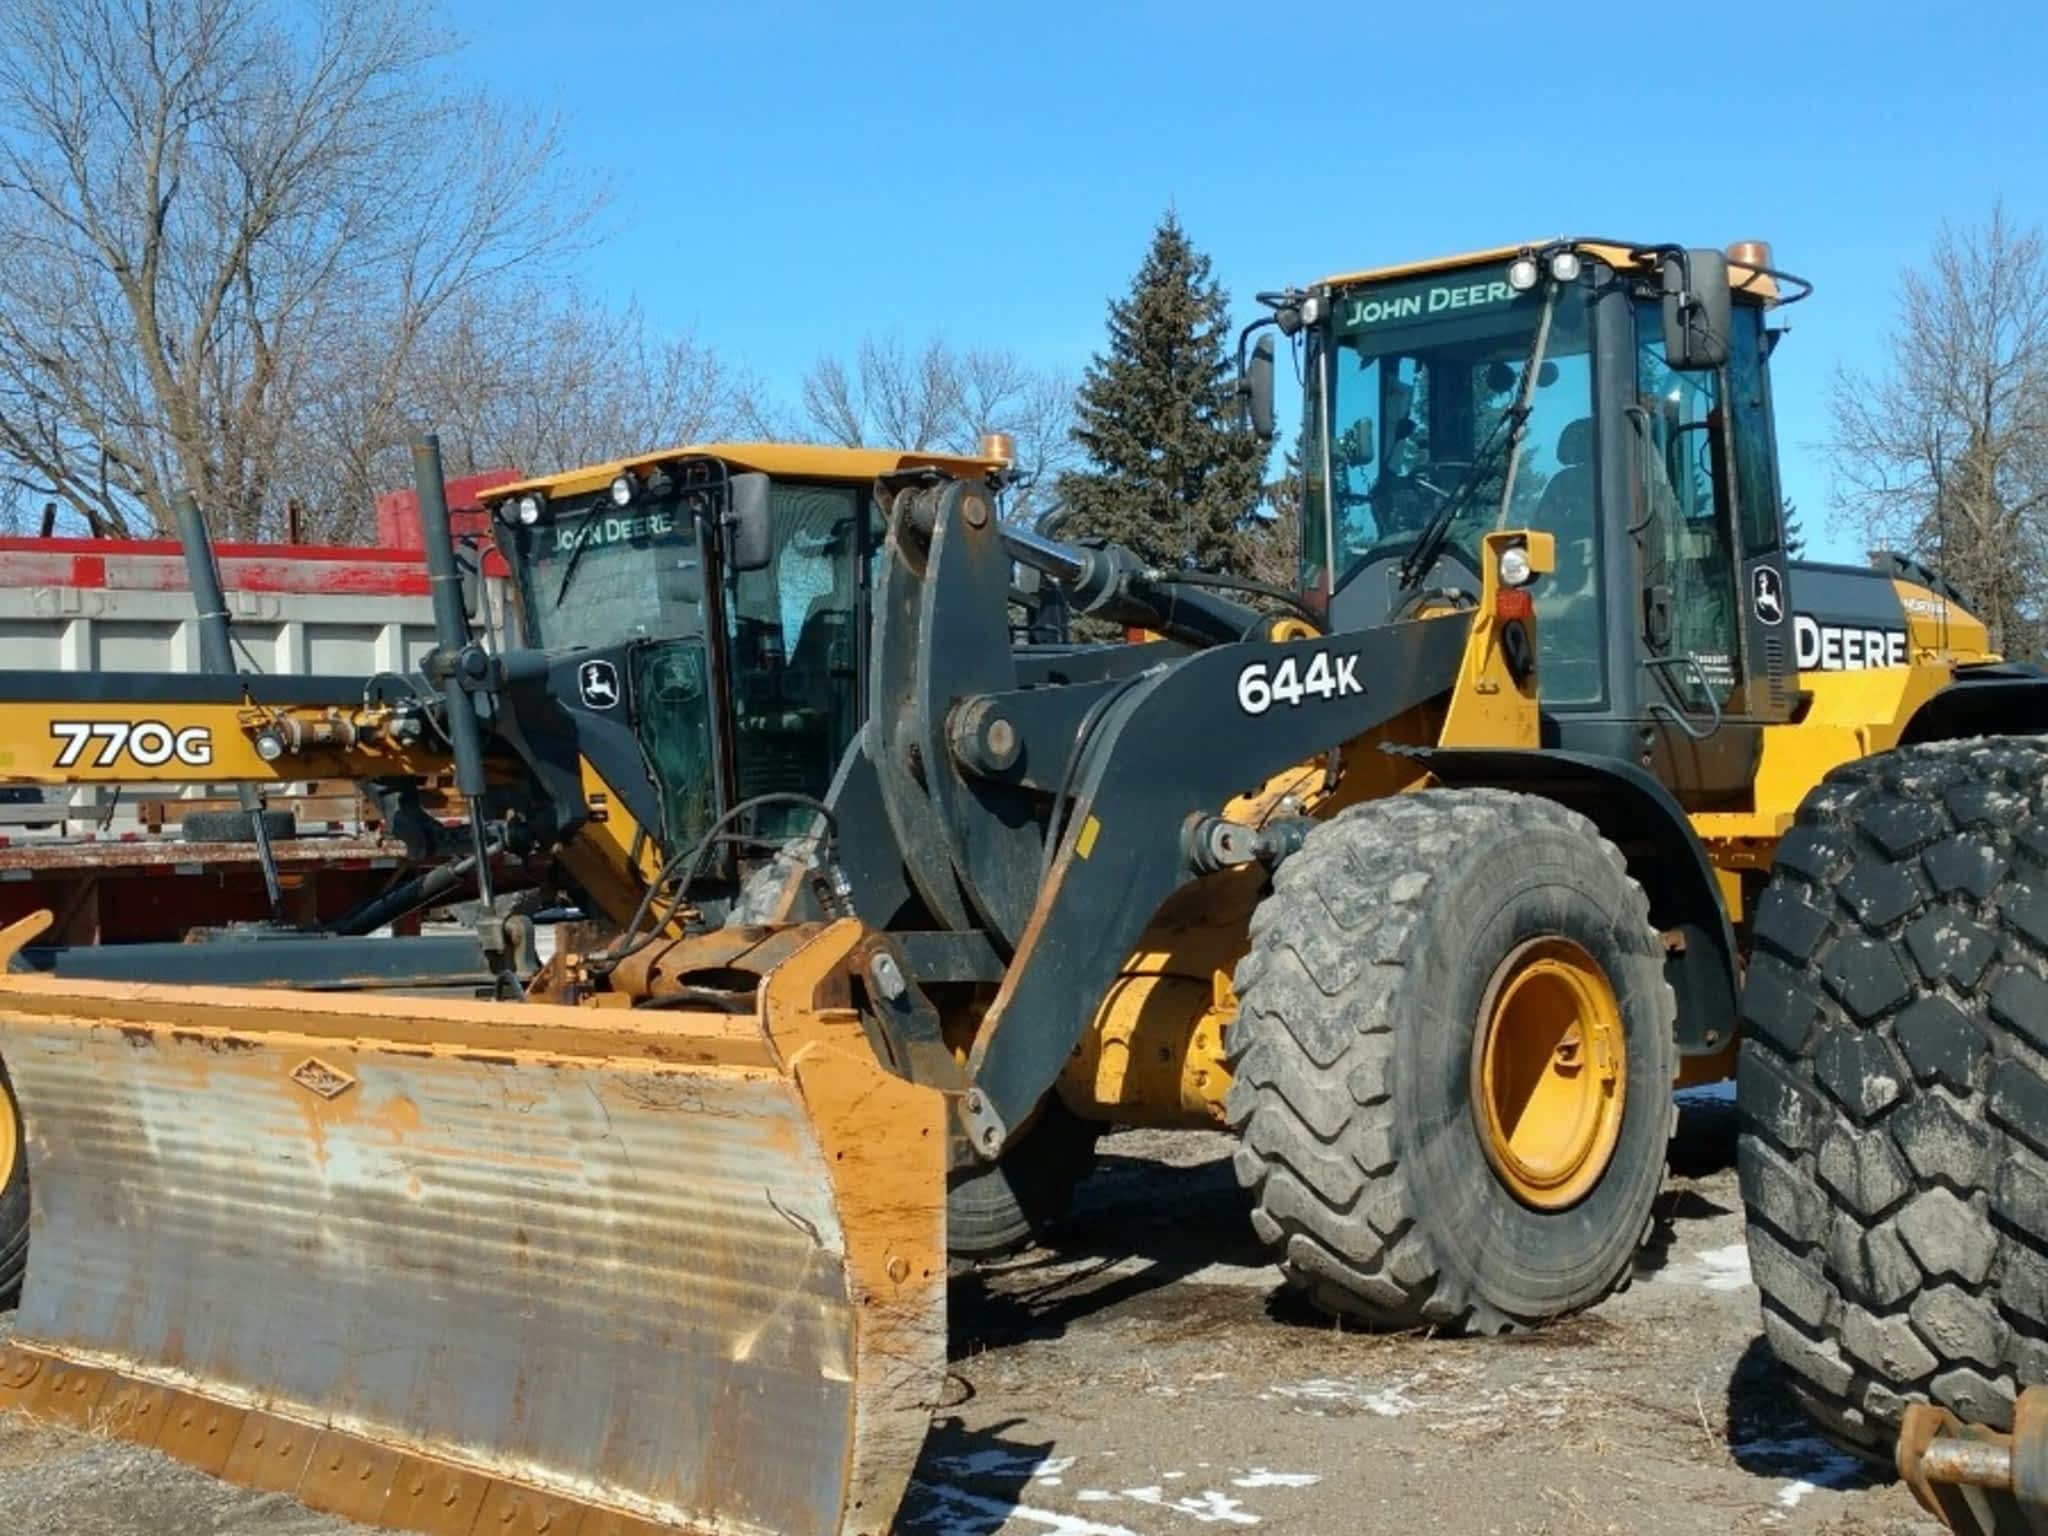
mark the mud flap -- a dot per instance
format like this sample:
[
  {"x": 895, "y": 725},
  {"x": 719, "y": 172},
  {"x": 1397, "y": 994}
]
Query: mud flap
[{"x": 462, "y": 1266}]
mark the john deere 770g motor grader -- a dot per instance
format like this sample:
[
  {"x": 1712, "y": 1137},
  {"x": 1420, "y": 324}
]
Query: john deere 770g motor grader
[
  {"x": 715, "y": 596},
  {"x": 1430, "y": 889}
]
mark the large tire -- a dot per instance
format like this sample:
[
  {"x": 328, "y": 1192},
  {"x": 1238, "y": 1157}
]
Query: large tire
[
  {"x": 1894, "y": 1089},
  {"x": 13, "y": 1196},
  {"x": 1361, "y": 1011},
  {"x": 996, "y": 1208}
]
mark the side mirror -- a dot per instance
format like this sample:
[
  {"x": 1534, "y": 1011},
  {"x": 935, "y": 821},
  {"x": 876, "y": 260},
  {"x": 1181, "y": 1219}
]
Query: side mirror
[
  {"x": 749, "y": 541},
  {"x": 1698, "y": 311},
  {"x": 1361, "y": 443},
  {"x": 1258, "y": 388}
]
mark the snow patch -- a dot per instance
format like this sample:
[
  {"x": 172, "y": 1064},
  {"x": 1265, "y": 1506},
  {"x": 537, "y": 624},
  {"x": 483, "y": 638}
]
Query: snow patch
[
  {"x": 1707, "y": 1093},
  {"x": 1208, "y": 1506},
  {"x": 951, "y": 1511},
  {"x": 997, "y": 1462},
  {"x": 1389, "y": 1402},
  {"x": 1806, "y": 1459},
  {"x": 1259, "y": 1477},
  {"x": 1790, "y": 1495},
  {"x": 1712, "y": 1269}
]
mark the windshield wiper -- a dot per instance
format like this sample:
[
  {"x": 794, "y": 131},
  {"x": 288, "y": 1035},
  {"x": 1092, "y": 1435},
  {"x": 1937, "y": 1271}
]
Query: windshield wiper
[
  {"x": 575, "y": 554},
  {"x": 1506, "y": 438}
]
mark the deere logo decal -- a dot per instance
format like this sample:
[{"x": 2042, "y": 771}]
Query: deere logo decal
[
  {"x": 1845, "y": 647},
  {"x": 1386, "y": 305},
  {"x": 612, "y": 530}
]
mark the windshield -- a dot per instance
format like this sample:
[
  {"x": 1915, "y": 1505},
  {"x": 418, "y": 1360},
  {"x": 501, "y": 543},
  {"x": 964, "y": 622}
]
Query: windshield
[
  {"x": 632, "y": 574},
  {"x": 1416, "y": 377}
]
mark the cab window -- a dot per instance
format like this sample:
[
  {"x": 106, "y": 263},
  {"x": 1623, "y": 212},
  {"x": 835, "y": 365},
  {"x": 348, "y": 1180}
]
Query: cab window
[
  {"x": 794, "y": 649},
  {"x": 1688, "y": 566}
]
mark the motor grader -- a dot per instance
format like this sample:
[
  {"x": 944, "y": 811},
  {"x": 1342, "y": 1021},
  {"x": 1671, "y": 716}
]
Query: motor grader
[
  {"x": 1429, "y": 888},
  {"x": 658, "y": 590}
]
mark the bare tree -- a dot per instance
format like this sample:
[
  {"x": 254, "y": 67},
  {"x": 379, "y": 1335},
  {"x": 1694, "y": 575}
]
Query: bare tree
[
  {"x": 223, "y": 214},
  {"x": 1945, "y": 451},
  {"x": 537, "y": 379},
  {"x": 943, "y": 400}
]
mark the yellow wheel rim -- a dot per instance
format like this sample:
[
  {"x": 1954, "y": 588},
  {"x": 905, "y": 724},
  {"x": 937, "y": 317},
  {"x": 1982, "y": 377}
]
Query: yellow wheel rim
[
  {"x": 10, "y": 1136},
  {"x": 1550, "y": 1074}
]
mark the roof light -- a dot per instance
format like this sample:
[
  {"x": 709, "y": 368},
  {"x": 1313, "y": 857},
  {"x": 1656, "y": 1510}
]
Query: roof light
[
  {"x": 1522, "y": 273},
  {"x": 528, "y": 509},
  {"x": 622, "y": 491},
  {"x": 1564, "y": 266}
]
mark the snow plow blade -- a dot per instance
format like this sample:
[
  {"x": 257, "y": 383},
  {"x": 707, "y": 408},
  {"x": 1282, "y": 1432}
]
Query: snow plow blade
[{"x": 469, "y": 1267}]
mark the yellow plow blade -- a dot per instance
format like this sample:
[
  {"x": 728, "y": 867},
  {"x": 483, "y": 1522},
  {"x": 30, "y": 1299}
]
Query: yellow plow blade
[{"x": 467, "y": 1267}]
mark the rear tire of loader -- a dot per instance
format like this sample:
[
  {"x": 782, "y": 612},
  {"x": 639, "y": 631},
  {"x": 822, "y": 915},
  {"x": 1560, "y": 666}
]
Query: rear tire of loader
[
  {"x": 13, "y": 1196},
  {"x": 1894, "y": 1089},
  {"x": 996, "y": 1208},
  {"x": 1383, "y": 1165}
]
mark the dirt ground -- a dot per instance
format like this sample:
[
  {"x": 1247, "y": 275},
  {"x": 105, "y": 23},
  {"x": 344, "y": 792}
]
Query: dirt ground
[{"x": 1143, "y": 1377}]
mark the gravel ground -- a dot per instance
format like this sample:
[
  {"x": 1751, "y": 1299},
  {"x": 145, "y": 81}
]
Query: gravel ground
[{"x": 1143, "y": 1376}]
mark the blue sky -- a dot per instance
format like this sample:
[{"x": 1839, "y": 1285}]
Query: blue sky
[{"x": 791, "y": 176}]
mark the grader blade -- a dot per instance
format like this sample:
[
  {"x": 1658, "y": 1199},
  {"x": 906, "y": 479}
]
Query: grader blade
[{"x": 463, "y": 1267}]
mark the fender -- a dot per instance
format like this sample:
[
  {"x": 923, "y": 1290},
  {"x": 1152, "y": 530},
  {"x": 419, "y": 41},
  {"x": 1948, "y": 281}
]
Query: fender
[
  {"x": 1992, "y": 698},
  {"x": 1639, "y": 816}
]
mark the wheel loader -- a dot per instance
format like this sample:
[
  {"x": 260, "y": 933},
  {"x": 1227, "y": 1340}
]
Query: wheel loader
[{"x": 1429, "y": 886}]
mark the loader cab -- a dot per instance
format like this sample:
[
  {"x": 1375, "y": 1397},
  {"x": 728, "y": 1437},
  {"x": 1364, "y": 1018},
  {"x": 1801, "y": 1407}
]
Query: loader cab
[{"x": 1663, "y": 634}]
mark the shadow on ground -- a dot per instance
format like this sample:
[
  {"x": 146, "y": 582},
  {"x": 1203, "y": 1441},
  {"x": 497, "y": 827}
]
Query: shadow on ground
[
  {"x": 970, "y": 1482},
  {"x": 1770, "y": 1436},
  {"x": 1136, "y": 1226}
]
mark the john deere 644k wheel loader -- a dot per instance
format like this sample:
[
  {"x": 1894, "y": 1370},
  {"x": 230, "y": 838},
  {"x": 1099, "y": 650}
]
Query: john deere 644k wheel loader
[{"x": 1430, "y": 889}]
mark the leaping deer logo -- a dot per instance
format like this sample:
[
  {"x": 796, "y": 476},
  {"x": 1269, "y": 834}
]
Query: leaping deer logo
[
  {"x": 1768, "y": 595},
  {"x": 598, "y": 682}
]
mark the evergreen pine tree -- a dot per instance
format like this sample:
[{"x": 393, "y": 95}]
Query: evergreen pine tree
[
  {"x": 1795, "y": 536},
  {"x": 1173, "y": 469}
]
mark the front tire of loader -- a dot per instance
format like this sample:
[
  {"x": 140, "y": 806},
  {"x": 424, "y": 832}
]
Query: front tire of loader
[
  {"x": 1453, "y": 1057},
  {"x": 13, "y": 1195},
  {"x": 993, "y": 1209},
  {"x": 1894, "y": 1089}
]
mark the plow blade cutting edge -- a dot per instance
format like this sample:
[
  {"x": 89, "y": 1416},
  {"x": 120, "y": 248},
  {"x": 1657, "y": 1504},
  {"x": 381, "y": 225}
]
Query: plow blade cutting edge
[{"x": 471, "y": 1267}]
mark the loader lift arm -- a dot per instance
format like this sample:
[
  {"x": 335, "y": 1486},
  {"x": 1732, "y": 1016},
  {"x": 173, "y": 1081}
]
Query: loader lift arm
[{"x": 1055, "y": 821}]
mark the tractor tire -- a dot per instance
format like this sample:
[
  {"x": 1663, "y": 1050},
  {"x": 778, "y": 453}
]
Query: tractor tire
[
  {"x": 1893, "y": 1085},
  {"x": 234, "y": 827},
  {"x": 1403, "y": 1000},
  {"x": 993, "y": 1209},
  {"x": 13, "y": 1195}
]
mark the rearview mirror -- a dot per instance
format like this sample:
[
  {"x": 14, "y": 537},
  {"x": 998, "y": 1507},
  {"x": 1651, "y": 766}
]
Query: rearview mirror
[
  {"x": 1258, "y": 389},
  {"x": 749, "y": 542},
  {"x": 1361, "y": 443},
  {"x": 1697, "y": 310}
]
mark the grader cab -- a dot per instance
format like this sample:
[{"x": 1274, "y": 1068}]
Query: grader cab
[{"x": 1428, "y": 880}]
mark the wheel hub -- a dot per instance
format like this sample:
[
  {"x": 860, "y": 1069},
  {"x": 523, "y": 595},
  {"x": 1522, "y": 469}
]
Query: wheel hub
[
  {"x": 1549, "y": 1075},
  {"x": 10, "y": 1137}
]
